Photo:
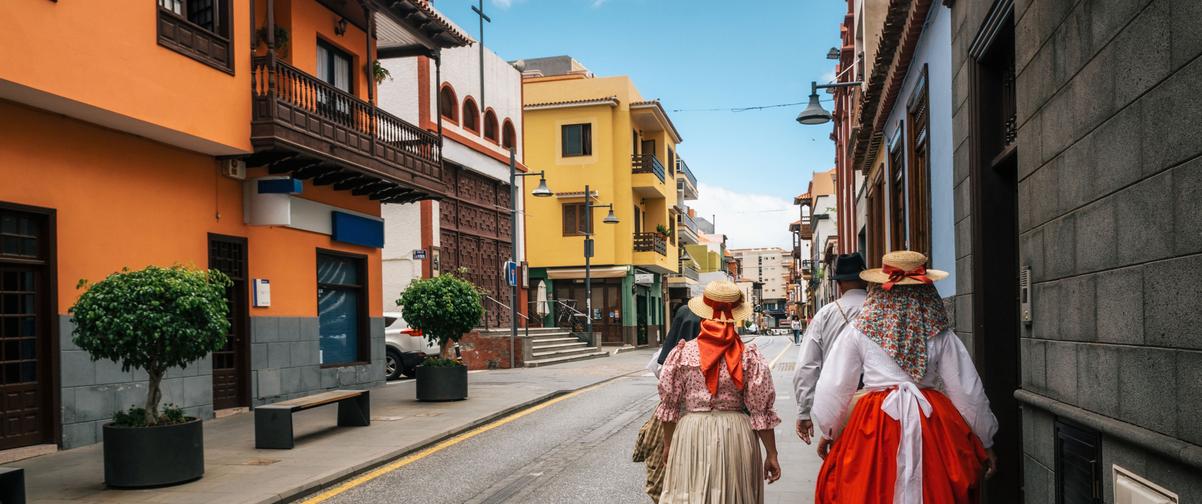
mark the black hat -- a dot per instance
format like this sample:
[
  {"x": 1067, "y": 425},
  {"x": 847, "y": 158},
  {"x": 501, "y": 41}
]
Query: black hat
[{"x": 848, "y": 266}]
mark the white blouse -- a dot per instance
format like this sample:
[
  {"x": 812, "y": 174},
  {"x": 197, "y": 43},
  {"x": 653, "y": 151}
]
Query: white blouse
[{"x": 949, "y": 369}]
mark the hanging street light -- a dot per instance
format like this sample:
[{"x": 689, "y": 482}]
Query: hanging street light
[
  {"x": 542, "y": 192},
  {"x": 814, "y": 114}
]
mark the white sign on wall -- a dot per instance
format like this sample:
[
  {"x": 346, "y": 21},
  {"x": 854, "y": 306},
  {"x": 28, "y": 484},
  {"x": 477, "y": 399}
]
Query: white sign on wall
[{"x": 262, "y": 293}]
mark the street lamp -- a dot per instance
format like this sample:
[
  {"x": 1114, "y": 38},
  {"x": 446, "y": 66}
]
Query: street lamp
[
  {"x": 541, "y": 192},
  {"x": 814, "y": 113},
  {"x": 588, "y": 254}
]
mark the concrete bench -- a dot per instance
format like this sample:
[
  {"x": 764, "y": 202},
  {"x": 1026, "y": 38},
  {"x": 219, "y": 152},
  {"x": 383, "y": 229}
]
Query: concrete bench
[{"x": 273, "y": 422}]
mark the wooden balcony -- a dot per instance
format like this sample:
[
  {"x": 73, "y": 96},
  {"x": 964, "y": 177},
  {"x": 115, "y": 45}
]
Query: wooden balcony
[
  {"x": 307, "y": 127},
  {"x": 651, "y": 242}
]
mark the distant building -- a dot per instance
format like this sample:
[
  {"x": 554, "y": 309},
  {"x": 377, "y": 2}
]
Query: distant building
[
  {"x": 600, "y": 132},
  {"x": 767, "y": 267}
]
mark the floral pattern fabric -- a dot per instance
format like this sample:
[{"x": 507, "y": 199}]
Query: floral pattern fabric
[
  {"x": 901, "y": 320},
  {"x": 682, "y": 386}
]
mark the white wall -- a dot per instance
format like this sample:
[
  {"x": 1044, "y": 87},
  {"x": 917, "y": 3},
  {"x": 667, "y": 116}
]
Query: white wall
[
  {"x": 934, "y": 51},
  {"x": 402, "y": 232}
]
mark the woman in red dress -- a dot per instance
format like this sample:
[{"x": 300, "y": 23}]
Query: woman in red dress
[{"x": 920, "y": 430}]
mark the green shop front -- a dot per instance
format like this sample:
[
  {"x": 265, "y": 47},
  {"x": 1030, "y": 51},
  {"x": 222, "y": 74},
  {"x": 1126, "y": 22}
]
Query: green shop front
[{"x": 627, "y": 302}]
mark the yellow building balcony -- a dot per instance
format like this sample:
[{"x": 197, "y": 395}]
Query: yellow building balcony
[
  {"x": 648, "y": 176},
  {"x": 651, "y": 252}
]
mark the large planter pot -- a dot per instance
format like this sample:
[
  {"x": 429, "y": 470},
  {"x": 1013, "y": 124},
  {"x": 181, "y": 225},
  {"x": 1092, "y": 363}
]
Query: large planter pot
[
  {"x": 153, "y": 456},
  {"x": 441, "y": 383}
]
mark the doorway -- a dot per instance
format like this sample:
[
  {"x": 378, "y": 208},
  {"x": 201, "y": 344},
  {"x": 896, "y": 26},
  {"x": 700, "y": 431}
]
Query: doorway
[
  {"x": 231, "y": 369},
  {"x": 995, "y": 306},
  {"x": 607, "y": 305},
  {"x": 641, "y": 320},
  {"x": 28, "y": 354}
]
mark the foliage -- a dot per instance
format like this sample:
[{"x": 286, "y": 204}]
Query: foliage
[
  {"x": 443, "y": 308},
  {"x": 441, "y": 362},
  {"x": 135, "y": 416},
  {"x": 662, "y": 229},
  {"x": 281, "y": 38},
  {"x": 379, "y": 72},
  {"x": 153, "y": 319}
]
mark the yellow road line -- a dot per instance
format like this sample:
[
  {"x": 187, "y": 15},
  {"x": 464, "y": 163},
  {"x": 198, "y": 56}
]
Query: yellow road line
[{"x": 442, "y": 445}]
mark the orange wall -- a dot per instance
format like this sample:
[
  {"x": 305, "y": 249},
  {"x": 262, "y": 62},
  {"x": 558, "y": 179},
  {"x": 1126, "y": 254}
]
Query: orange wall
[
  {"x": 123, "y": 201},
  {"x": 306, "y": 21},
  {"x": 106, "y": 54}
]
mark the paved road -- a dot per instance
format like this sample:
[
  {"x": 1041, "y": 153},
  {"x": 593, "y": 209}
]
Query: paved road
[{"x": 575, "y": 450}]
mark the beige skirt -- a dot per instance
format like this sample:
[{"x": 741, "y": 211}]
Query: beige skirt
[{"x": 715, "y": 459}]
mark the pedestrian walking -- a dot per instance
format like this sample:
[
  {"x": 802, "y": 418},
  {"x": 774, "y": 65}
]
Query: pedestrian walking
[
  {"x": 725, "y": 391},
  {"x": 821, "y": 334},
  {"x": 649, "y": 446},
  {"x": 795, "y": 324},
  {"x": 902, "y": 440}
]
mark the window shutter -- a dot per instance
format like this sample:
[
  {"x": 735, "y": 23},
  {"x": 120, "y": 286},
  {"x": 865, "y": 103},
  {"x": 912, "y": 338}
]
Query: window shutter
[
  {"x": 569, "y": 219},
  {"x": 1078, "y": 464}
]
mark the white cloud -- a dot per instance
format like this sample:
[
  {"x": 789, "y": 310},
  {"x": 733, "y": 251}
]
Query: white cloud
[
  {"x": 747, "y": 220},
  {"x": 503, "y": 4}
]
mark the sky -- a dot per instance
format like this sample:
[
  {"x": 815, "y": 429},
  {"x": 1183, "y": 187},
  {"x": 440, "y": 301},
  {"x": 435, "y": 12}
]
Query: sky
[{"x": 700, "y": 54}]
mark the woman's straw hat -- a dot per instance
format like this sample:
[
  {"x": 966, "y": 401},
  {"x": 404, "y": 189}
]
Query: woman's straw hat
[
  {"x": 721, "y": 291},
  {"x": 899, "y": 263}
]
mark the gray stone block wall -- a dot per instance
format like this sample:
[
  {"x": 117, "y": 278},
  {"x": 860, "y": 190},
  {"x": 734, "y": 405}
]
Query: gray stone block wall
[
  {"x": 92, "y": 391},
  {"x": 1110, "y": 169},
  {"x": 285, "y": 363}
]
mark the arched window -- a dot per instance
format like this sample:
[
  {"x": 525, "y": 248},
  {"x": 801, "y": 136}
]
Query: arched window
[
  {"x": 447, "y": 103},
  {"x": 471, "y": 115},
  {"x": 508, "y": 135},
  {"x": 490, "y": 125}
]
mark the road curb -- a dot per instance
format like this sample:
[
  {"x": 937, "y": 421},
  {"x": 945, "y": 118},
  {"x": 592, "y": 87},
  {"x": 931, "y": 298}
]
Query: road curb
[{"x": 325, "y": 482}]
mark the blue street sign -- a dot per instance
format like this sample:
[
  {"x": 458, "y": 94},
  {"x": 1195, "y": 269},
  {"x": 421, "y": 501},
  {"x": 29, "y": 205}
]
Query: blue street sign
[{"x": 511, "y": 273}]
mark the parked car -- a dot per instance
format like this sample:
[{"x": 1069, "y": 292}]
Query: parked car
[{"x": 404, "y": 348}]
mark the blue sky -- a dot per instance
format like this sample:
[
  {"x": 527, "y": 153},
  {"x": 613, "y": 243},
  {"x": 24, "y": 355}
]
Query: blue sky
[{"x": 700, "y": 54}]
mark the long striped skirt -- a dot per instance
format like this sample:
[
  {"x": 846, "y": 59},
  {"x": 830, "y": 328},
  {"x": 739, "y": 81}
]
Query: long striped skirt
[{"x": 715, "y": 459}]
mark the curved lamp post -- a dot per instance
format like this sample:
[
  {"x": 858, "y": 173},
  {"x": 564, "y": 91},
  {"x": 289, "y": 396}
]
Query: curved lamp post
[
  {"x": 588, "y": 254},
  {"x": 814, "y": 113},
  {"x": 541, "y": 192}
]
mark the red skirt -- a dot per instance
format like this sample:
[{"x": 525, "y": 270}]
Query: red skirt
[{"x": 862, "y": 465}]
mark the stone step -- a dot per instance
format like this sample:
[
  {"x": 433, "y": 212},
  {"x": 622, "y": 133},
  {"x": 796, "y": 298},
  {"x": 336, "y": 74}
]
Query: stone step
[
  {"x": 559, "y": 360},
  {"x": 554, "y": 340},
  {"x": 562, "y": 352},
  {"x": 539, "y": 347}
]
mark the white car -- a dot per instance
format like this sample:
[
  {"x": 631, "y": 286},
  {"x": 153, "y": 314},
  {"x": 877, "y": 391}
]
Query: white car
[{"x": 404, "y": 348}]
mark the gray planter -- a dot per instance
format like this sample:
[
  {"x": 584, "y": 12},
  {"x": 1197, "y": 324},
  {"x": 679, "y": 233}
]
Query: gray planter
[
  {"x": 153, "y": 456},
  {"x": 441, "y": 383}
]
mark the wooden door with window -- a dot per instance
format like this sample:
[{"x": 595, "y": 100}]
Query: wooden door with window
[
  {"x": 231, "y": 371},
  {"x": 27, "y": 352}
]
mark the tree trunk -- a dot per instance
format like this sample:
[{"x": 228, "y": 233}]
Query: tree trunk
[
  {"x": 445, "y": 351},
  {"x": 153, "y": 396}
]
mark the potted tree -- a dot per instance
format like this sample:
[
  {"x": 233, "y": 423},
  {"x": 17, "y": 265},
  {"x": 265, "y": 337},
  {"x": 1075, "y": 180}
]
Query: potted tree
[
  {"x": 443, "y": 308},
  {"x": 153, "y": 320},
  {"x": 662, "y": 230}
]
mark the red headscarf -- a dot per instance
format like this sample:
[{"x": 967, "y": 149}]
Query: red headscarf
[{"x": 719, "y": 342}]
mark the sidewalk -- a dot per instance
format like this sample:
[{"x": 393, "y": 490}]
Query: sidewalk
[{"x": 236, "y": 472}]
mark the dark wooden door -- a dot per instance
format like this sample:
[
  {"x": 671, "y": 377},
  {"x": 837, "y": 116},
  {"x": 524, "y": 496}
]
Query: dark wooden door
[
  {"x": 231, "y": 373},
  {"x": 26, "y": 358}
]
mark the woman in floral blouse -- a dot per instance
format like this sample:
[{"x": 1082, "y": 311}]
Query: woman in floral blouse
[{"x": 716, "y": 399}]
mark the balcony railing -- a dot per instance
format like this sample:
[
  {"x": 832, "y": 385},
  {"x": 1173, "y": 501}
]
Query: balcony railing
[
  {"x": 315, "y": 112},
  {"x": 650, "y": 242},
  {"x": 647, "y": 163},
  {"x": 688, "y": 271},
  {"x": 681, "y": 167}
]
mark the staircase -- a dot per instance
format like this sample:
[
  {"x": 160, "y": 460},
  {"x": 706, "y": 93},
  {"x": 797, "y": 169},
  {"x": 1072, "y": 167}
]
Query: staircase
[{"x": 556, "y": 345}]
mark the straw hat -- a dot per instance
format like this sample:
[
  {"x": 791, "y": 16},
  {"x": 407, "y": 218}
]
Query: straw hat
[
  {"x": 721, "y": 291},
  {"x": 906, "y": 261}
]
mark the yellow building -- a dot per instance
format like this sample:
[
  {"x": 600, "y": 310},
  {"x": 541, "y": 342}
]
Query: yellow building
[{"x": 598, "y": 131}]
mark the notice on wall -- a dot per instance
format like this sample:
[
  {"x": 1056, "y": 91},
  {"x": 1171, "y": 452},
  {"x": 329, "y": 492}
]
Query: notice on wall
[{"x": 262, "y": 293}]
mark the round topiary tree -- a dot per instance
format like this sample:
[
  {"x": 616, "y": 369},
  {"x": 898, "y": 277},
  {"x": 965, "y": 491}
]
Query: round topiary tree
[
  {"x": 443, "y": 308},
  {"x": 153, "y": 319}
]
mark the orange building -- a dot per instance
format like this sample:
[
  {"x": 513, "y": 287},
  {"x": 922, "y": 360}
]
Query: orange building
[{"x": 240, "y": 135}]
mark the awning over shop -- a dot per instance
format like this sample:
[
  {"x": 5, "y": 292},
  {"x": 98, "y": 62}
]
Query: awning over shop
[{"x": 578, "y": 273}]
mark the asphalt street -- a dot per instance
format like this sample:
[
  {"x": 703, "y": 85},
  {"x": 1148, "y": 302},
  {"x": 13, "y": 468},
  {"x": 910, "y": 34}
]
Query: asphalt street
[{"x": 577, "y": 449}]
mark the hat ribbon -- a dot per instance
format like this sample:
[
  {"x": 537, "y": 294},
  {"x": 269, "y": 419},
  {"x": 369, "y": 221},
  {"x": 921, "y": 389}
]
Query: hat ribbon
[
  {"x": 721, "y": 308},
  {"x": 897, "y": 274}
]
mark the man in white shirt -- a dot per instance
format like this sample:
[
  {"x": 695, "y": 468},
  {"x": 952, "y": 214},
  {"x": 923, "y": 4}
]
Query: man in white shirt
[{"x": 822, "y": 332}]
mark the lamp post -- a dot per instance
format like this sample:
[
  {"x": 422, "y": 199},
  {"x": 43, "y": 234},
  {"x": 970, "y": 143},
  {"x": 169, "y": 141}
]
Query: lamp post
[
  {"x": 814, "y": 113},
  {"x": 588, "y": 254},
  {"x": 540, "y": 192}
]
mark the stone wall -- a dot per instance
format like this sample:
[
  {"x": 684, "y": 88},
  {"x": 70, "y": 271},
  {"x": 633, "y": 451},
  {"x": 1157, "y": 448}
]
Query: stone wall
[
  {"x": 1108, "y": 169},
  {"x": 93, "y": 391},
  {"x": 284, "y": 360}
]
